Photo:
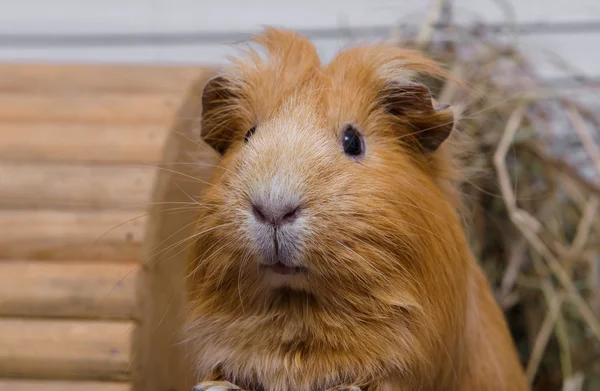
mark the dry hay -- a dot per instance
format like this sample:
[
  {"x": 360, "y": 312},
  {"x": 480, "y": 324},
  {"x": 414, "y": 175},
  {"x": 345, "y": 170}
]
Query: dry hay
[{"x": 533, "y": 223}]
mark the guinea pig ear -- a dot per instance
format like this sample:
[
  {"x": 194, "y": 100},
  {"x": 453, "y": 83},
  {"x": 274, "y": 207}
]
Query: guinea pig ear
[
  {"x": 219, "y": 99},
  {"x": 412, "y": 105}
]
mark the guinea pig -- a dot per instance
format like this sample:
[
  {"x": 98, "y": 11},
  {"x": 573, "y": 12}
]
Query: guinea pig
[{"x": 329, "y": 251}]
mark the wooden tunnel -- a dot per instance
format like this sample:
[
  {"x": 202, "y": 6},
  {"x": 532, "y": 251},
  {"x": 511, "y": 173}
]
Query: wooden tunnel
[{"x": 91, "y": 250}]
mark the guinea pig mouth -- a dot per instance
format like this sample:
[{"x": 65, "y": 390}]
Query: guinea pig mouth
[{"x": 281, "y": 268}]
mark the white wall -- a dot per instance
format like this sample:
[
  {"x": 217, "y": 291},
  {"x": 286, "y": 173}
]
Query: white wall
[{"x": 44, "y": 17}]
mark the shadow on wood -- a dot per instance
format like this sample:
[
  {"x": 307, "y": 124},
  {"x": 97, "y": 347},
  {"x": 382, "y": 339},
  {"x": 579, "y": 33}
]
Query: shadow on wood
[{"x": 160, "y": 359}]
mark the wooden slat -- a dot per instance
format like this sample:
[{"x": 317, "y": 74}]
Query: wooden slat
[
  {"x": 82, "y": 142},
  {"x": 101, "y": 78},
  {"x": 91, "y": 350},
  {"x": 68, "y": 289},
  {"x": 57, "y": 385},
  {"x": 89, "y": 106},
  {"x": 70, "y": 235},
  {"x": 75, "y": 186}
]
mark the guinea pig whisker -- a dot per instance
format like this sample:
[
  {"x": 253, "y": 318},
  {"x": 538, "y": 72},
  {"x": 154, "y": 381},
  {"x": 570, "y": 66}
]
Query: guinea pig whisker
[
  {"x": 186, "y": 194},
  {"x": 195, "y": 142},
  {"x": 166, "y": 211},
  {"x": 411, "y": 205},
  {"x": 178, "y": 252},
  {"x": 171, "y": 203},
  {"x": 413, "y": 225},
  {"x": 199, "y": 164},
  {"x": 216, "y": 252},
  {"x": 245, "y": 259},
  {"x": 164, "y": 315},
  {"x": 158, "y": 167},
  {"x": 120, "y": 225},
  {"x": 203, "y": 261},
  {"x": 183, "y": 175},
  {"x": 198, "y": 143},
  {"x": 138, "y": 206},
  {"x": 145, "y": 214},
  {"x": 170, "y": 236},
  {"x": 225, "y": 270},
  {"x": 191, "y": 237},
  {"x": 497, "y": 104}
]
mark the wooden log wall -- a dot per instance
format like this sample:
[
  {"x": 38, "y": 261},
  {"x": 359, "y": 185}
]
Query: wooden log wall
[{"x": 78, "y": 150}]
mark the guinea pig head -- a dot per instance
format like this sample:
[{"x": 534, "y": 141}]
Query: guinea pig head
[{"x": 333, "y": 179}]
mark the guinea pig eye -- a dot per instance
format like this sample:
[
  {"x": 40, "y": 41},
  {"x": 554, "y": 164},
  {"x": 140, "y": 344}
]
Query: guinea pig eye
[
  {"x": 249, "y": 134},
  {"x": 352, "y": 141}
]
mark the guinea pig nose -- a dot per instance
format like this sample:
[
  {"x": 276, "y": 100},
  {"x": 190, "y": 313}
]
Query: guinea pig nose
[{"x": 276, "y": 213}]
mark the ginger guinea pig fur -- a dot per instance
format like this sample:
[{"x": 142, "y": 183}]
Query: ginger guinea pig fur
[{"x": 329, "y": 250}]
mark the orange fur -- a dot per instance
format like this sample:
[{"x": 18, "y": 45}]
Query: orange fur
[{"x": 393, "y": 299}]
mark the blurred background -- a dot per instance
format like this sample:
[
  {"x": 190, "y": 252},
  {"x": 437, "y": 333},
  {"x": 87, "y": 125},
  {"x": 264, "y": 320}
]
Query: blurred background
[
  {"x": 89, "y": 93},
  {"x": 200, "y": 32}
]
